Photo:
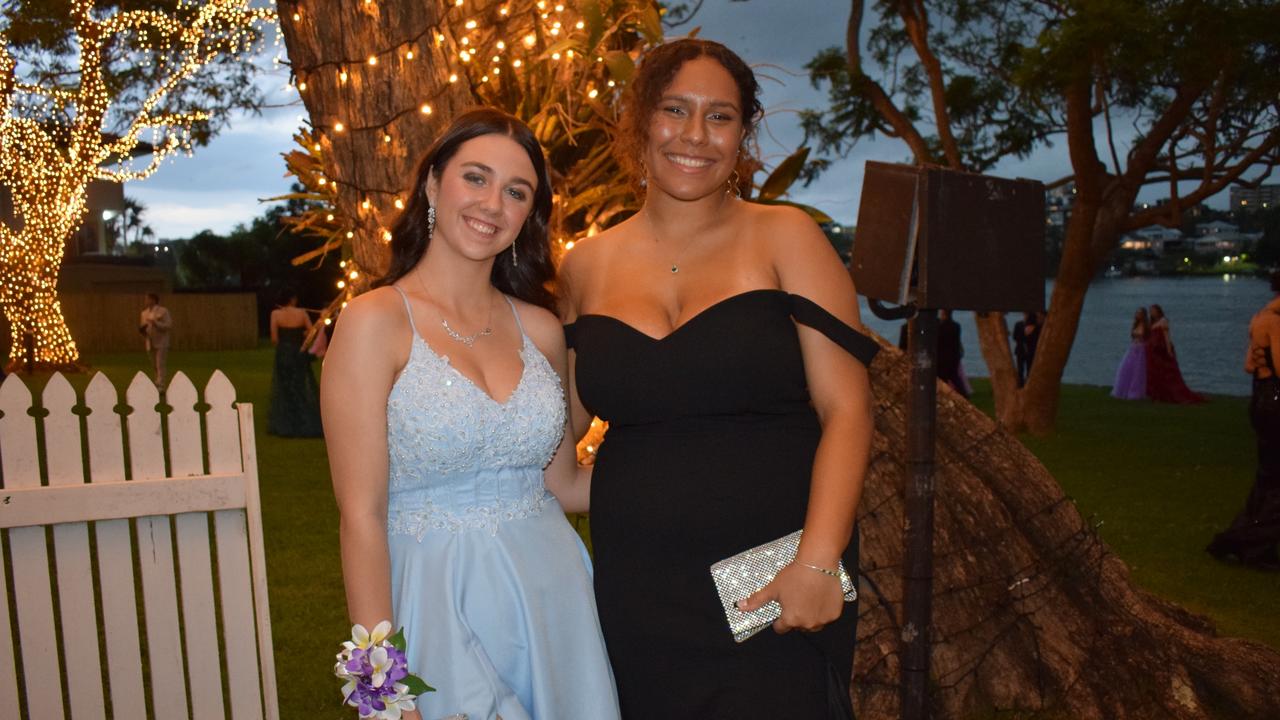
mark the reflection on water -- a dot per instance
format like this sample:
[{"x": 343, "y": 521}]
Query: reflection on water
[{"x": 1208, "y": 319}]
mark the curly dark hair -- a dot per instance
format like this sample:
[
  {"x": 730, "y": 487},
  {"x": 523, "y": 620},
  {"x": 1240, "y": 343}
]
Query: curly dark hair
[
  {"x": 657, "y": 69},
  {"x": 530, "y": 280}
]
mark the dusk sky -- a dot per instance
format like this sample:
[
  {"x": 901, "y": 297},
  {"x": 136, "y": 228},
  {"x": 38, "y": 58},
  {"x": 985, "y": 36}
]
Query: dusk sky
[{"x": 223, "y": 183}]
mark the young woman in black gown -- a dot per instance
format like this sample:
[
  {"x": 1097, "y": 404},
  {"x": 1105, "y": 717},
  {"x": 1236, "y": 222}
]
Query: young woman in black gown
[{"x": 717, "y": 338}]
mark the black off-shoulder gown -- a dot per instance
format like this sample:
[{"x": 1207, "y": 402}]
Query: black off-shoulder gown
[{"x": 709, "y": 452}]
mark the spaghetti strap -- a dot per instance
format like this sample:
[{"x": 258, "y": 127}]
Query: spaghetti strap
[
  {"x": 413, "y": 328},
  {"x": 519, "y": 324}
]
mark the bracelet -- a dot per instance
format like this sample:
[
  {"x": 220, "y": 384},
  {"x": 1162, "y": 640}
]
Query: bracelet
[{"x": 822, "y": 570}]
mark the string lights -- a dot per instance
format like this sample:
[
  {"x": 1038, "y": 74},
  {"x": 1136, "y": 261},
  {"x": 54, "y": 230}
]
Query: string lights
[
  {"x": 47, "y": 166},
  {"x": 560, "y": 67}
]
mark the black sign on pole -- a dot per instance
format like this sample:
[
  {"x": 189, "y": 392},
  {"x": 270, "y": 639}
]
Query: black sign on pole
[{"x": 930, "y": 238}]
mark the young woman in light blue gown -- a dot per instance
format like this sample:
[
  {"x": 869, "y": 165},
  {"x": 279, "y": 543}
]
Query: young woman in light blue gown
[{"x": 444, "y": 414}]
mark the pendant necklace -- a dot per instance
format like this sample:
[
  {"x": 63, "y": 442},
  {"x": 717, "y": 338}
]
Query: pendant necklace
[
  {"x": 468, "y": 340},
  {"x": 675, "y": 262}
]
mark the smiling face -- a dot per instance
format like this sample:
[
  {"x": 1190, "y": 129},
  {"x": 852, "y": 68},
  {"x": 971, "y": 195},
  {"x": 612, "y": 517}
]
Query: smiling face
[
  {"x": 695, "y": 132},
  {"x": 482, "y": 196}
]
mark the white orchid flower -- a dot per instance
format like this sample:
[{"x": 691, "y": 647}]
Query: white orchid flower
[
  {"x": 382, "y": 664},
  {"x": 363, "y": 639},
  {"x": 401, "y": 703}
]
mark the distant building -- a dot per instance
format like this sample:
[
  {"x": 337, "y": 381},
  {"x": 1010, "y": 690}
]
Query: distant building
[
  {"x": 1153, "y": 238},
  {"x": 1221, "y": 238},
  {"x": 1259, "y": 198},
  {"x": 104, "y": 201},
  {"x": 1216, "y": 227},
  {"x": 1058, "y": 203}
]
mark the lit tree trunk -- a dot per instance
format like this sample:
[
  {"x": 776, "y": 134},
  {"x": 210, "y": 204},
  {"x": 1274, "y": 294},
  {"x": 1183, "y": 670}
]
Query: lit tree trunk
[
  {"x": 1033, "y": 615},
  {"x": 386, "y": 129},
  {"x": 47, "y": 188},
  {"x": 29, "y": 262}
]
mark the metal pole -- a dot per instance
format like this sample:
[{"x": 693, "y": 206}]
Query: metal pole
[{"x": 917, "y": 575}]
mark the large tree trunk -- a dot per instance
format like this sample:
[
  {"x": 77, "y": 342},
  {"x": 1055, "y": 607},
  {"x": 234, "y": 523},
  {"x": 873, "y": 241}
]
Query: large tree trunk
[
  {"x": 375, "y": 101},
  {"x": 30, "y": 257},
  {"x": 30, "y": 299},
  {"x": 1033, "y": 614}
]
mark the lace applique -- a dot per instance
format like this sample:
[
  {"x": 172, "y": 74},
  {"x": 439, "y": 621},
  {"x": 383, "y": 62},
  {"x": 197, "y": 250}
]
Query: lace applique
[
  {"x": 479, "y": 517},
  {"x": 439, "y": 423}
]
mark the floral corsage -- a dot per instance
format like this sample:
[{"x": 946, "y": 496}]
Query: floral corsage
[{"x": 378, "y": 683}]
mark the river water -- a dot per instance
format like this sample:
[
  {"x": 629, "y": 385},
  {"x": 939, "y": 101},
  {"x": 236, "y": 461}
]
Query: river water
[{"x": 1208, "y": 320}]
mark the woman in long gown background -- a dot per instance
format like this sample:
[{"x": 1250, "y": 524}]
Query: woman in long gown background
[
  {"x": 1164, "y": 377},
  {"x": 732, "y": 420},
  {"x": 445, "y": 414},
  {"x": 1131, "y": 375},
  {"x": 295, "y": 394},
  {"x": 1254, "y": 535}
]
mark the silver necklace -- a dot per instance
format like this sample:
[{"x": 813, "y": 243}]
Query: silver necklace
[{"x": 468, "y": 340}]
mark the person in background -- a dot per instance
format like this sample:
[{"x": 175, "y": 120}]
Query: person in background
[
  {"x": 155, "y": 325},
  {"x": 1255, "y": 534},
  {"x": 950, "y": 351},
  {"x": 1131, "y": 376},
  {"x": 1164, "y": 378},
  {"x": 1026, "y": 333},
  {"x": 295, "y": 395}
]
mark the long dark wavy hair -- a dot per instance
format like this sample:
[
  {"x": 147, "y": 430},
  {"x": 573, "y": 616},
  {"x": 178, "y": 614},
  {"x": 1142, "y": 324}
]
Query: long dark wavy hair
[
  {"x": 530, "y": 279},
  {"x": 657, "y": 69}
]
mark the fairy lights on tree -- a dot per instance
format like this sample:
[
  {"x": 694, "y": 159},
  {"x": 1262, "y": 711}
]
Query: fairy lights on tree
[
  {"x": 559, "y": 66},
  {"x": 59, "y": 131}
]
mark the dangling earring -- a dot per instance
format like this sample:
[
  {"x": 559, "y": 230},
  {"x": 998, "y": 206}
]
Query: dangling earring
[
  {"x": 732, "y": 186},
  {"x": 644, "y": 175},
  {"x": 431, "y": 222},
  {"x": 515, "y": 262}
]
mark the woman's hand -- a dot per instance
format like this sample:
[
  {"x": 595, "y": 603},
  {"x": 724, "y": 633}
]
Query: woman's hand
[{"x": 809, "y": 599}]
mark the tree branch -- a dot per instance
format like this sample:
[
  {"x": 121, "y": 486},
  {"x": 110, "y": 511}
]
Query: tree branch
[
  {"x": 1143, "y": 155},
  {"x": 1209, "y": 189},
  {"x": 902, "y": 125},
  {"x": 1089, "y": 170},
  {"x": 916, "y": 20}
]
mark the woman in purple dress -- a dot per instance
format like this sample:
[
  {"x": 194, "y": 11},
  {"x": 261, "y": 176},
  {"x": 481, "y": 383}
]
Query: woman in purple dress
[{"x": 1131, "y": 376}]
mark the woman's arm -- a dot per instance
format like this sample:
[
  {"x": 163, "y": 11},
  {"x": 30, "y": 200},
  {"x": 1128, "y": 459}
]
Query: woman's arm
[
  {"x": 579, "y": 418},
  {"x": 570, "y": 483},
  {"x": 356, "y": 380},
  {"x": 841, "y": 394}
]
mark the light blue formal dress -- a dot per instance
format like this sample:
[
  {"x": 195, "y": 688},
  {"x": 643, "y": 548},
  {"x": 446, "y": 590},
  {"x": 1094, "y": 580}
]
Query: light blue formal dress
[{"x": 489, "y": 581}]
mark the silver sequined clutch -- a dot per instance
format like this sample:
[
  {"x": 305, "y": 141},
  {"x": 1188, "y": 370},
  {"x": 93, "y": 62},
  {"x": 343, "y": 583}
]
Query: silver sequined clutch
[{"x": 737, "y": 577}]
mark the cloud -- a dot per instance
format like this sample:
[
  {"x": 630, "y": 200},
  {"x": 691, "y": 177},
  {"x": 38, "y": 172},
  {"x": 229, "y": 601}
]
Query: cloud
[{"x": 177, "y": 214}]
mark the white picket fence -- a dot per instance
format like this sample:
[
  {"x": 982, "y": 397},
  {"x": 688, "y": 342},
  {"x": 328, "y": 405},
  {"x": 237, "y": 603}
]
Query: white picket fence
[{"x": 111, "y": 507}]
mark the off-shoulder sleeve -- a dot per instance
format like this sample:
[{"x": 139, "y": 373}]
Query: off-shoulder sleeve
[
  {"x": 570, "y": 335},
  {"x": 807, "y": 312}
]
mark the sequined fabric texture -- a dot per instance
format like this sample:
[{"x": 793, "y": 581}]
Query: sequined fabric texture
[
  {"x": 742, "y": 575},
  {"x": 460, "y": 460}
]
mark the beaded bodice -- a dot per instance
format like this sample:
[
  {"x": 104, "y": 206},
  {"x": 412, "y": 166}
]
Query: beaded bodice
[{"x": 460, "y": 459}]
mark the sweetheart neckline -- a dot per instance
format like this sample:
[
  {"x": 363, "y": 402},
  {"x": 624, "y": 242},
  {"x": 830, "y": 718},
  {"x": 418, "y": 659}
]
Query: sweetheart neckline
[{"x": 686, "y": 323}]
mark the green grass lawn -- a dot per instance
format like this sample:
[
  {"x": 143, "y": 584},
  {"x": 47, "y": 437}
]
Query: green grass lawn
[{"x": 1161, "y": 479}]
